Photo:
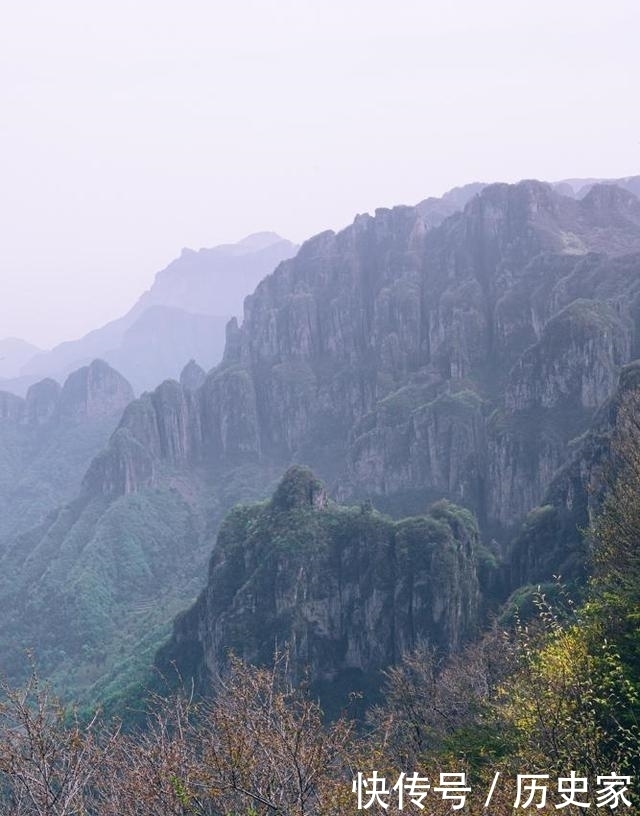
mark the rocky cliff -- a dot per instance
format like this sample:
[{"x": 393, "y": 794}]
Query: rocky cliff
[
  {"x": 348, "y": 590},
  {"x": 551, "y": 541},
  {"x": 48, "y": 440},
  {"x": 409, "y": 358},
  {"x": 402, "y": 360}
]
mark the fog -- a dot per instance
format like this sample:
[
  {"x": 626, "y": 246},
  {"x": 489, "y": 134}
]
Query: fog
[{"x": 131, "y": 130}]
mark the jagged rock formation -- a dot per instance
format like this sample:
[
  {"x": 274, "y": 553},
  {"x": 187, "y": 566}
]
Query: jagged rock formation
[
  {"x": 192, "y": 376},
  {"x": 455, "y": 361},
  {"x": 405, "y": 359},
  {"x": 48, "y": 439},
  {"x": 94, "y": 391},
  {"x": 347, "y": 589}
]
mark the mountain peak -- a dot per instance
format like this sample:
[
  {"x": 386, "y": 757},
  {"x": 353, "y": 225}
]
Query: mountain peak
[
  {"x": 14, "y": 353},
  {"x": 435, "y": 210},
  {"x": 527, "y": 191},
  {"x": 260, "y": 240},
  {"x": 610, "y": 197},
  {"x": 299, "y": 488},
  {"x": 42, "y": 401},
  {"x": 192, "y": 376},
  {"x": 95, "y": 390},
  {"x": 199, "y": 291}
]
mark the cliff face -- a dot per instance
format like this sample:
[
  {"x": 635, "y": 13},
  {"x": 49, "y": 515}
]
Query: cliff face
[
  {"x": 94, "y": 391},
  {"x": 91, "y": 392},
  {"x": 407, "y": 359},
  {"x": 48, "y": 439},
  {"x": 348, "y": 589},
  {"x": 380, "y": 355},
  {"x": 192, "y": 376}
]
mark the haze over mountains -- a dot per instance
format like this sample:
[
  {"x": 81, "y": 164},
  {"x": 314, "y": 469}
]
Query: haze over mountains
[
  {"x": 184, "y": 313},
  {"x": 14, "y": 354},
  {"x": 458, "y": 350},
  {"x": 48, "y": 439},
  {"x": 182, "y": 316},
  {"x": 344, "y": 520}
]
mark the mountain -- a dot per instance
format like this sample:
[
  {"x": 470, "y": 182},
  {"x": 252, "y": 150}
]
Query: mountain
[
  {"x": 159, "y": 343},
  {"x": 407, "y": 359},
  {"x": 350, "y": 590},
  {"x": 434, "y": 210},
  {"x": 216, "y": 281},
  {"x": 347, "y": 587},
  {"x": 48, "y": 439},
  {"x": 14, "y": 353},
  {"x": 182, "y": 316},
  {"x": 580, "y": 187},
  {"x": 524, "y": 327}
]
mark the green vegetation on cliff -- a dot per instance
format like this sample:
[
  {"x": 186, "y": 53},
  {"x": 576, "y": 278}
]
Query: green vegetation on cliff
[{"x": 347, "y": 588}]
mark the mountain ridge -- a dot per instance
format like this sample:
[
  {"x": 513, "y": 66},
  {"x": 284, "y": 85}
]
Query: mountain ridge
[
  {"x": 195, "y": 312},
  {"x": 403, "y": 363},
  {"x": 48, "y": 438}
]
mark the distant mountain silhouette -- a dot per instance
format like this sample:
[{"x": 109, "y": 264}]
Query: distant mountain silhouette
[
  {"x": 14, "y": 353},
  {"x": 579, "y": 188},
  {"x": 182, "y": 316}
]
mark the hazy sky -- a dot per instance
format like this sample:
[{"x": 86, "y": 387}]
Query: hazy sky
[{"x": 131, "y": 129}]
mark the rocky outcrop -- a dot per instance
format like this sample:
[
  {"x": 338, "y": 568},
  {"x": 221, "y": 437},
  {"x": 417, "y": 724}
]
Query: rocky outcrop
[
  {"x": 229, "y": 411},
  {"x": 42, "y": 402},
  {"x": 347, "y": 589},
  {"x": 434, "y": 447},
  {"x": 95, "y": 390},
  {"x": 125, "y": 468},
  {"x": 192, "y": 376}
]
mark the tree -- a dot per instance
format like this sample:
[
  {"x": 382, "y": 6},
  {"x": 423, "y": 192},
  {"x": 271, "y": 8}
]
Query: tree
[
  {"x": 49, "y": 760},
  {"x": 264, "y": 745}
]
